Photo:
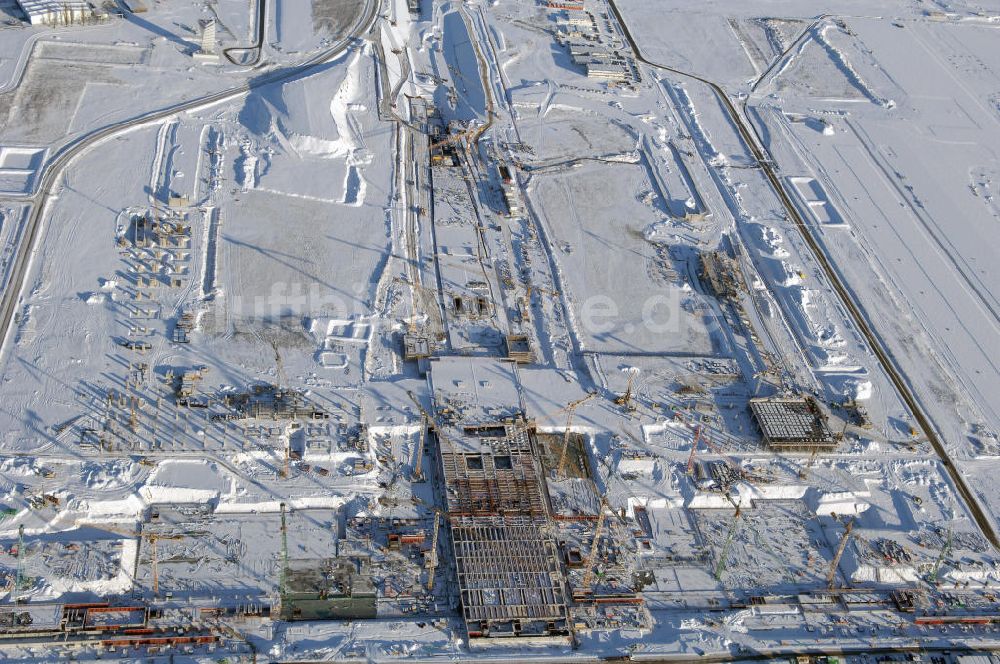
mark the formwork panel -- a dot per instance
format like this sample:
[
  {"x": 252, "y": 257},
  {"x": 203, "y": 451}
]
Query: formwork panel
[{"x": 508, "y": 572}]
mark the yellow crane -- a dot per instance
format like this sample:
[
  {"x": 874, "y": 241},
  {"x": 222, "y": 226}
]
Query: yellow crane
[
  {"x": 832, "y": 573},
  {"x": 432, "y": 561},
  {"x": 570, "y": 412},
  {"x": 283, "y": 579},
  {"x": 447, "y": 140},
  {"x": 730, "y": 537},
  {"x": 154, "y": 557},
  {"x": 626, "y": 399},
  {"x": 605, "y": 507},
  {"x": 428, "y": 418},
  {"x": 588, "y": 571},
  {"x": 418, "y": 471}
]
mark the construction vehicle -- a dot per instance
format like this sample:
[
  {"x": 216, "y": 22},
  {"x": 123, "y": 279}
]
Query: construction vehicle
[
  {"x": 570, "y": 411},
  {"x": 832, "y": 573},
  {"x": 625, "y": 399}
]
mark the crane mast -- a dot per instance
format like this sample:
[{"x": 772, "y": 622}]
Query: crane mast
[
  {"x": 832, "y": 574},
  {"x": 570, "y": 411}
]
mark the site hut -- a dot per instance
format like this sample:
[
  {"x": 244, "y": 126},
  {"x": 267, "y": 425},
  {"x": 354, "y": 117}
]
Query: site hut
[
  {"x": 578, "y": 19},
  {"x": 509, "y": 190},
  {"x": 581, "y": 50},
  {"x": 612, "y": 70},
  {"x": 792, "y": 425},
  {"x": 56, "y": 12}
]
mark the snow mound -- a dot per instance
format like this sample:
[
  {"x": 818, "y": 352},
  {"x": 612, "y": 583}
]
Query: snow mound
[{"x": 185, "y": 481}]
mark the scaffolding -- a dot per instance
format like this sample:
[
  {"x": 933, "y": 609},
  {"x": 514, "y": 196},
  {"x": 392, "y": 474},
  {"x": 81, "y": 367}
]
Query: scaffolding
[
  {"x": 507, "y": 563},
  {"x": 508, "y": 572},
  {"x": 502, "y": 479},
  {"x": 792, "y": 425}
]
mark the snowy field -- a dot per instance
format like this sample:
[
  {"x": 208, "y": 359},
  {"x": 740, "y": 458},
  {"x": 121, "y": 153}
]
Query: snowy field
[{"x": 444, "y": 330}]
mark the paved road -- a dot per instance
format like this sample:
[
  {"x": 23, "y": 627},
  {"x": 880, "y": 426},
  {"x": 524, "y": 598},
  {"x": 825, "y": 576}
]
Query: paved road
[
  {"x": 258, "y": 46},
  {"x": 53, "y": 170},
  {"x": 895, "y": 374}
]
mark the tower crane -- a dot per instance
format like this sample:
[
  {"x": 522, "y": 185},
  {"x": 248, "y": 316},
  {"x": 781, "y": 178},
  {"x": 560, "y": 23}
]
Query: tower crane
[
  {"x": 605, "y": 507},
  {"x": 588, "y": 573},
  {"x": 831, "y": 575},
  {"x": 694, "y": 449},
  {"x": 279, "y": 366},
  {"x": 283, "y": 577},
  {"x": 154, "y": 557},
  {"x": 428, "y": 418},
  {"x": 279, "y": 391},
  {"x": 432, "y": 562},
  {"x": 945, "y": 550},
  {"x": 724, "y": 555},
  {"x": 570, "y": 412},
  {"x": 418, "y": 470},
  {"x": 19, "y": 578}
]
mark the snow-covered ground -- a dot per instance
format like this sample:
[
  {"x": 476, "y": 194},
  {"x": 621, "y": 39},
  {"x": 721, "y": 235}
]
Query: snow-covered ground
[{"x": 206, "y": 409}]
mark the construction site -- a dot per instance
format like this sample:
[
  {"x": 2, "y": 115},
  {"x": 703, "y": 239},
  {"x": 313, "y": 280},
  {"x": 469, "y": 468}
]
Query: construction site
[{"x": 416, "y": 329}]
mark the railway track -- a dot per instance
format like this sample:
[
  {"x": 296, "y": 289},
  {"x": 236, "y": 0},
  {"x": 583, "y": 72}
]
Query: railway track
[{"x": 886, "y": 360}]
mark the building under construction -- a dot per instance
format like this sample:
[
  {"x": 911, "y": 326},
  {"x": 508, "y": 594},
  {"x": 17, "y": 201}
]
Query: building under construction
[
  {"x": 792, "y": 425},
  {"x": 332, "y": 589},
  {"x": 506, "y": 560},
  {"x": 721, "y": 274},
  {"x": 274, "y": 403}
]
